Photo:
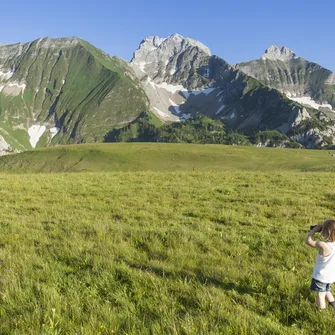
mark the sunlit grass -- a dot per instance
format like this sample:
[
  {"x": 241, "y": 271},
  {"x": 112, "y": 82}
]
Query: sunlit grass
[
  {"x": 161, "y": 253},
  {"x": 164, "y": 157}
]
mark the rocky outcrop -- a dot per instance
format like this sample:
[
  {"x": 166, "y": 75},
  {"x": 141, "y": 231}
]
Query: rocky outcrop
[
  {"x": 300, "y": 80},
  {"x": 159, "y": 58},
  {"x": 5, "y": 148},
  {"x": 275, "y": 52}
]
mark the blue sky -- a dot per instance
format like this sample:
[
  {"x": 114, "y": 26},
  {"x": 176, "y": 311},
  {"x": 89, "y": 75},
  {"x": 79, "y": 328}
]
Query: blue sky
[{"x": 234, "y": 30}]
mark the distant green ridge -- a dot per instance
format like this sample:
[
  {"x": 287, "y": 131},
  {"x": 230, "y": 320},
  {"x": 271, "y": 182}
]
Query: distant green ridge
[{"x": 166, "y": 157}]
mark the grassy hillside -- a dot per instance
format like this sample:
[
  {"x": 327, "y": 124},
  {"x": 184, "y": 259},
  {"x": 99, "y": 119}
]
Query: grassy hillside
[
  {"x": 166, "y": 157},
  {"x": 161, "y": 253},
  {"x": 70, "y": 84}
]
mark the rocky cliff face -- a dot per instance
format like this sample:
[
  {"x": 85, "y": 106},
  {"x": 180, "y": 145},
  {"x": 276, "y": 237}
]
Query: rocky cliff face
[
  {"x": 276, "y": 52},
  {"x": 162, "y": 58},
  {"x": 300, "y": 80},
  {"x": 181, "y": 79},
  {"x": 168, "y": 71},
  {"x": 63, "y": 91}
]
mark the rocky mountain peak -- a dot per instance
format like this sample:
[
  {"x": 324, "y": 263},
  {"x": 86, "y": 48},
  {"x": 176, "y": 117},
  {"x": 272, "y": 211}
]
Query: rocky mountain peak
[
  {"x": 276, "y": 52},
  {"x": 154, "y": 48},
  {"x": 45, "y": 42},
  {"x": 10, "y": 51},
  {"x": 48, "y": 42}
]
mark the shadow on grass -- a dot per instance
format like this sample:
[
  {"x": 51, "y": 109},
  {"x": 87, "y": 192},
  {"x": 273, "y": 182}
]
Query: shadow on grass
[{"x": 198, "y": 277}]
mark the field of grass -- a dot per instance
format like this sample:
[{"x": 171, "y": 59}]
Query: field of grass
[
  {"x": 196, "y": 244},
  {"x": 163, "y": 157},
  {"x": 161, "y": 253}
]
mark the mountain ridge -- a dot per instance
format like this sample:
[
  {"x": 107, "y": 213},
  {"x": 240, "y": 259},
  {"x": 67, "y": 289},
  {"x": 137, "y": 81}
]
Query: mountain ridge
[
  {"x": 57, "y": 83},
  {"x": 188, "y": 81},
  {"x": 65, "y": 90},
  {"x": 299, "y": 79}
]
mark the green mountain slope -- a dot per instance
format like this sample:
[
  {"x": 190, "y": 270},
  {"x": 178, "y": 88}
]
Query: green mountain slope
[{"x": 67, "y": 86}]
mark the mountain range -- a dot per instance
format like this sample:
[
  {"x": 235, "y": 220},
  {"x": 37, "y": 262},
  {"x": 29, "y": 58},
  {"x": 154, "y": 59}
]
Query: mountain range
[{"x": 62, "y": 91}]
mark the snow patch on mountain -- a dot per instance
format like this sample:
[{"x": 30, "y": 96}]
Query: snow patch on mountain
[
  {"x": 54, "y": 131},
  {"x": 165, "y": 116},
  {"x": 308, "y": 101},
  {"x": 35, "y": 132},
  {"x": 220, "y": 109},
  {"x": 175, "y": 106},
  {"x": 6, "y": 75},
  {"x": 168, "y": 87},
  {"x": 205, "y": 91}
]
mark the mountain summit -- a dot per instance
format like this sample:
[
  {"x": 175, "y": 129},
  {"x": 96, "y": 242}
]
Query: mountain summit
[
  {"x": 157, "y": 55},
  {"x": 155, "y": 48},
  {"x": 275, "y": 52},
  {"x": 300, "y": 80},
  {"x": 167, "y": 67}
]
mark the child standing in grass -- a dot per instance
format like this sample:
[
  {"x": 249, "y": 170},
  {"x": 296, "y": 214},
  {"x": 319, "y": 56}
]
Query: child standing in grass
[{"x": 324, "y": 270}]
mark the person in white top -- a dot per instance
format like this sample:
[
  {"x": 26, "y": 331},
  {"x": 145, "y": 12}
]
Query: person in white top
[{"x": 324, "y": 270}]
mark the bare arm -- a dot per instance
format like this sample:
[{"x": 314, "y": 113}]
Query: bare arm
[{"x": 324, "y": 249}]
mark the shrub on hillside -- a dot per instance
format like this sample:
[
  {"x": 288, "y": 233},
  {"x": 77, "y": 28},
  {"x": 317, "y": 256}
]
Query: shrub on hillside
[{"x": 270, "y": 138}]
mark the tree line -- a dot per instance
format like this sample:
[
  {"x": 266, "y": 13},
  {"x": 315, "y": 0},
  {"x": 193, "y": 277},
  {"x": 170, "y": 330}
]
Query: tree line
[{"x": 197, "y": 129}]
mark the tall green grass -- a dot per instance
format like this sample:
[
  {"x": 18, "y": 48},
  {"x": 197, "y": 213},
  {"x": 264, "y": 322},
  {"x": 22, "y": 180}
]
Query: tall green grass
[{"x": 161, "y": 253}]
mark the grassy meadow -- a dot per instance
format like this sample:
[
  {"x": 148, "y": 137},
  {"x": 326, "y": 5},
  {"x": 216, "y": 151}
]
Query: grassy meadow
[
  {"x": 198, "y": 251},
  {"x": 166, "y": 157}
]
